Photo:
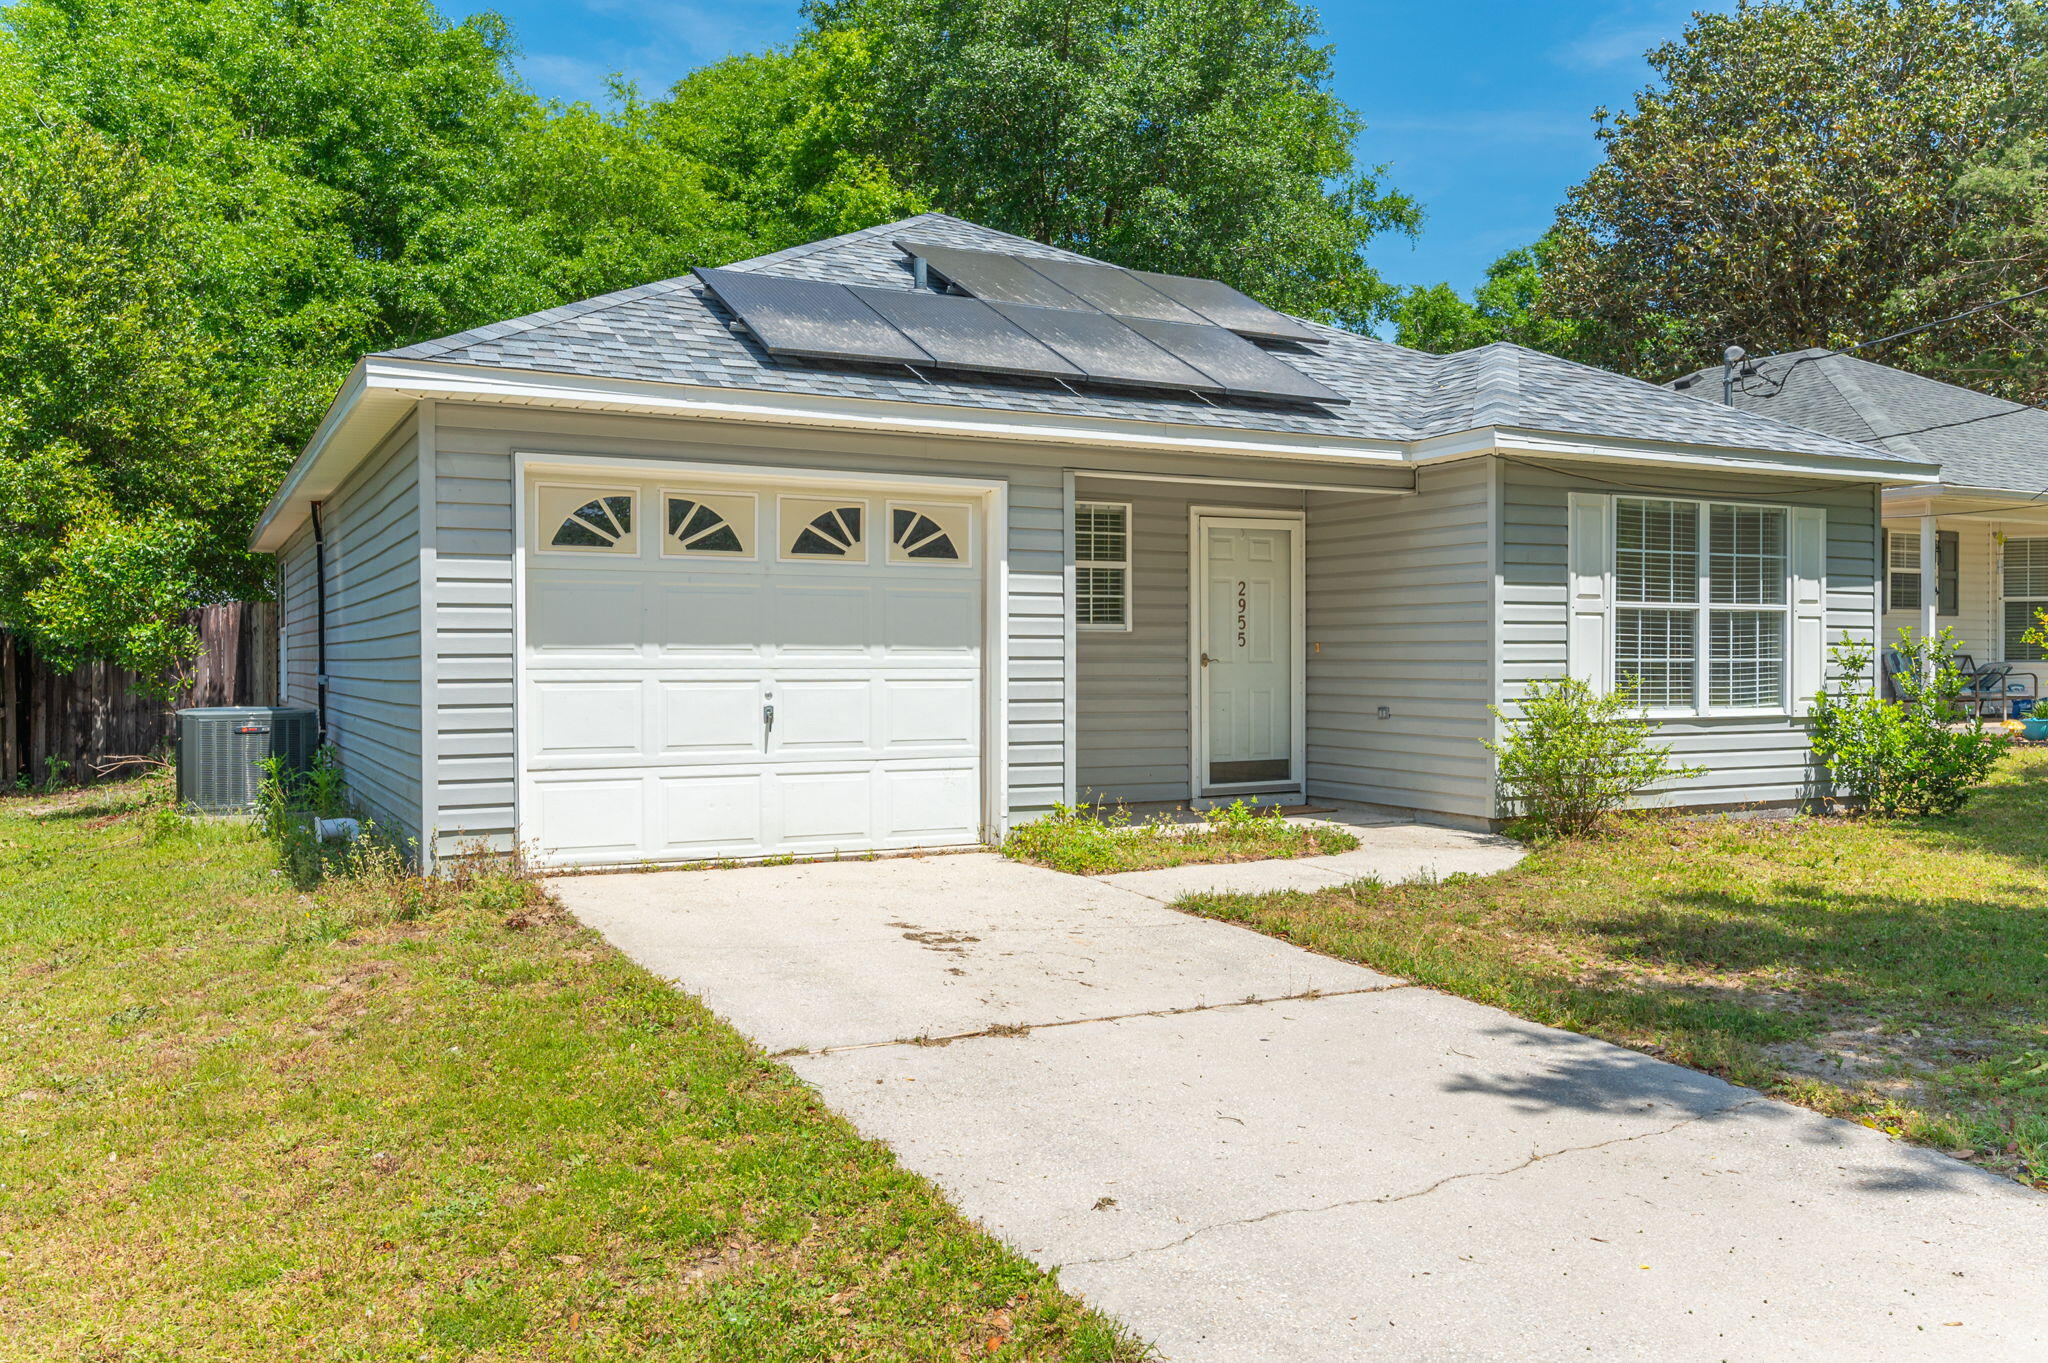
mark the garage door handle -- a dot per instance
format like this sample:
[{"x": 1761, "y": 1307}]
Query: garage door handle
[{"x": 768, "y": 716}]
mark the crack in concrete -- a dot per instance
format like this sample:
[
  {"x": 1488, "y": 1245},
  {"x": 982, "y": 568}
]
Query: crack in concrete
[
  {"x": 1390, "y": 1198},
  {"x": 1016, "y": 1029}
]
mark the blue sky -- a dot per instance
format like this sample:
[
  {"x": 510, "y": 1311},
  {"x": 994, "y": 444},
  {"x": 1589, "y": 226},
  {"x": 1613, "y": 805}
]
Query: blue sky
[{"x": 1484, "y": 110}]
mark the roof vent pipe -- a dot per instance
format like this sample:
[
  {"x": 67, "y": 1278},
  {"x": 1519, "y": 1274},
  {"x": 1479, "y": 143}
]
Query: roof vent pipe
[
  {"x": 1730, "y": 357},
  {"x": 921, "y": 272}
]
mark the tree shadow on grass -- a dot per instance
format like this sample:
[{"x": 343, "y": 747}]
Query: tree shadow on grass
[
  {"x": 1950, "y": 954},
  {"x": 1565, "y": 1072}
]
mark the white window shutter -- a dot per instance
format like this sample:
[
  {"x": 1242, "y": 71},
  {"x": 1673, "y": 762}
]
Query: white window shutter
[
  {"x": 1809, "y": 605},
  {"x": 1590, "y": 556}
]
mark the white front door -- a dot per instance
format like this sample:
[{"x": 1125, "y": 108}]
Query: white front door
[
  {"x": 1248, "y": 664},
  {"x": 723, "y": 669}
]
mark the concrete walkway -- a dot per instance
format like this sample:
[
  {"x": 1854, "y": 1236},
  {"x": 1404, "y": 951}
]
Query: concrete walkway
[{"x": 1248, "y": 1152}]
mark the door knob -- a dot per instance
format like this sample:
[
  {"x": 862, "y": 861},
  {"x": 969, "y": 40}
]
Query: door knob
[{"x": 1205, "y": 660}]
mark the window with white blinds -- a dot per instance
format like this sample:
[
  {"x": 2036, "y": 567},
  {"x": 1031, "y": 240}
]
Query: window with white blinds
[
  {"x": 1700, "y": 603},
  {"x": 2025, "y": 595},
  {"x": 1102, "y": 565}
]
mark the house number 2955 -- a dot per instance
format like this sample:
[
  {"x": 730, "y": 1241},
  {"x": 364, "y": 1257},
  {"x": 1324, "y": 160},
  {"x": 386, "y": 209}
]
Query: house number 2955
[{"x": 1240, "y": 614}]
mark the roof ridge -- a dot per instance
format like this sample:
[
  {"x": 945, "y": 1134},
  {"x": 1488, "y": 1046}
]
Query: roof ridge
[
  {"x": 811, "y": 248},
  {"x": 1859, "y": 399}
]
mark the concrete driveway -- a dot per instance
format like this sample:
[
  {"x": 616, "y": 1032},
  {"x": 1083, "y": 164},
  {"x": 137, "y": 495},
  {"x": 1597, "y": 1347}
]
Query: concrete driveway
[{"x": 1246, "y": 1151}]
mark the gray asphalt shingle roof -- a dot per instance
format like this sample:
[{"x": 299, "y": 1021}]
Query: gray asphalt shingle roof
[
  {"x": 670, "y": 331},
  {"x": 1979, "y": 440}
]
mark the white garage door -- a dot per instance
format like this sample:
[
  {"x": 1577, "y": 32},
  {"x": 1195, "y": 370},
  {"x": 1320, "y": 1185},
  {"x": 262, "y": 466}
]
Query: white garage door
[{"x": 723, "y": 670}]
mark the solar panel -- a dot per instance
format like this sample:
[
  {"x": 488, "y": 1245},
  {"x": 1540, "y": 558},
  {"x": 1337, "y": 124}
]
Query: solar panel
[
  {"x": 1226, "y": 307},
  {"x": 812, "y": 319},
  {"x": 993, "y": 277},
  {"x": 1238, "y": 366},
  {"x": 1115, "y": 291},
  {"x": 962, "y": 333},
  {"x": 1106, "y": 350}
]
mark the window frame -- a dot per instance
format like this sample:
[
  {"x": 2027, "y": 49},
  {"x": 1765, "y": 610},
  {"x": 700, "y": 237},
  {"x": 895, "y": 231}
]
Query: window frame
[
  {"x": 1703, "y": 608},
  {"x": 1947, "y": 572},
  {"x": 1126, "y": 624},
  {"x": 544, "y": 531},
  {"x": 2009, "y": 647}
]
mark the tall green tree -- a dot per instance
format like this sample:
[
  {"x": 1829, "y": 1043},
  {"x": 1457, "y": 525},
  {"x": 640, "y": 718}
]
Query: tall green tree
[
  {"x": 297, "y": 182},
  {"x": 127, "y": 459},
  {"x": 1195, "y": 136},
  {"x": 1786, "y": 181}
]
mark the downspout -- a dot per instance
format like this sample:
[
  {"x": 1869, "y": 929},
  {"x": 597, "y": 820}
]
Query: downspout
[{"x": 320, "y": 619}]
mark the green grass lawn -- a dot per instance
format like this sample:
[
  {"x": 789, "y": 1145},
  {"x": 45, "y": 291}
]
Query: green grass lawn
[
  {"x": 1893, "y": 971},
  {"x": 1091, "y": 840},
  {"x": 385, "y": 1120}
]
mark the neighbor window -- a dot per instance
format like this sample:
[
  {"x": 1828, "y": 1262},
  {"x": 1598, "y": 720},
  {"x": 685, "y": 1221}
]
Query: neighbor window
[
  {"x": 2025, "y": 580},
  {"x": 1902, "y": 571},
  {"x": 1102, "y": 565},
  {"x": 1700, "y": 593}
]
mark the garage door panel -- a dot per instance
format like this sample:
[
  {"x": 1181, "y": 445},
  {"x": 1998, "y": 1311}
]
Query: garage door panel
[
  {"x": 706, "y": 813},
  {"x": 588, "y": 816},
  {"x": 945, "y": 623},
  {"x": 825, "y": 810},
  {"x": 587, "y": 718},
  {"x": 818, "y": 620},
  {"x": 700, "y": 619},
  {"x": 930, "y": 807},
  {"x": 823, "y": 716},
  {"x": 713, "y": 719},
  {"x": 584, "y": 613},
  {"x": 931, "y": 712}
]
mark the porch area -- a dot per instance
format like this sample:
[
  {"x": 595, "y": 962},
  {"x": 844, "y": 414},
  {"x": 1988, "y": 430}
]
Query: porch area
[
  {"x": 1975, "y": 563},
  {"x": 1285, "y": 644}
]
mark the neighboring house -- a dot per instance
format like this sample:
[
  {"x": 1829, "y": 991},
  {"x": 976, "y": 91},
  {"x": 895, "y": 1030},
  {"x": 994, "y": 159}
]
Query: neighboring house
[
  {"x": 1968, "y": 552},
  {"x": 635, "y": 580}
]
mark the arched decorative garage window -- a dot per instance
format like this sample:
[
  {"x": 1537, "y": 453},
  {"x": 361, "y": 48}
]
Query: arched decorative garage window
[
  {"x": 587, "y": 520},
  {"x": 709, "y": 523},
  {"x": 812, "y": 528},
  {"x": 928, "y": 532}
]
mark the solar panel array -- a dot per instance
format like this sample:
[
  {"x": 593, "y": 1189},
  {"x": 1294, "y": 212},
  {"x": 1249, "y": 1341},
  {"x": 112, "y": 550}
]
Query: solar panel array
[
  {"x": 1059, "y": 326},
  {"x": 1001, "y": 278}
]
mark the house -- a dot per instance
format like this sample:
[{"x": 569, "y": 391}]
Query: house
[
  {"x": 898, "y": 538},
  {"x": 1967, "y": 552}
]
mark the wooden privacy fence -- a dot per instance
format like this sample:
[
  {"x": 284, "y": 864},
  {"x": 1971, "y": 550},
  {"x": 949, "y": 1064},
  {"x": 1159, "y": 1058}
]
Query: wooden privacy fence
[{"x": 60, "y": 725}]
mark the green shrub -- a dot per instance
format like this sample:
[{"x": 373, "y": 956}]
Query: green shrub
[
  {"x": 1913, "y": 755},
  {"x": 1573, "y": 757}
]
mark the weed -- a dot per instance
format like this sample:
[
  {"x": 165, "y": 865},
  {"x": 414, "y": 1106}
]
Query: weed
[{"x": 1092, "y": 839}]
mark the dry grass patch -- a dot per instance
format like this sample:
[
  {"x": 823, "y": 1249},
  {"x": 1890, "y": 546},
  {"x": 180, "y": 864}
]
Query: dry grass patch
[
  {"x": 393, "y": 1120},
  {"x": 1894, "y": 971}
]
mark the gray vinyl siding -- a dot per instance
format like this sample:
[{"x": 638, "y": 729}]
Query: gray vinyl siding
[
  {"x": 371, "y": 526},
  {"x": 1134, "y": 713},
  {"x": 475, "y": 448},
  {"x": 1400, "y": 612},
  {"x": 1749, "y": 760}
]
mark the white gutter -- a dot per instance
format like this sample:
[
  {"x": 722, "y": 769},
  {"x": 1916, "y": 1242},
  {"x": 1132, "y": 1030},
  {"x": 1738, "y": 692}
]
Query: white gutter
[{"x": 379, "y": 392}]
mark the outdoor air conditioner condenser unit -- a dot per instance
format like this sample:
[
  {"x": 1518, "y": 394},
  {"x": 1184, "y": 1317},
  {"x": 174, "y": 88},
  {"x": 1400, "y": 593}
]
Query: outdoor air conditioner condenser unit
[{"x": 221, "y": 750}]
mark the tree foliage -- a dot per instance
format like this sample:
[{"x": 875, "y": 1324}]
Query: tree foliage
[
  {"x": 1512, "y": 304},
  {"x": 1786, "y": 182},
  {"x": 126, "y": 468},
  {"x": 1193, "y": 136},
  {"x": 239, "y": 198}
]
